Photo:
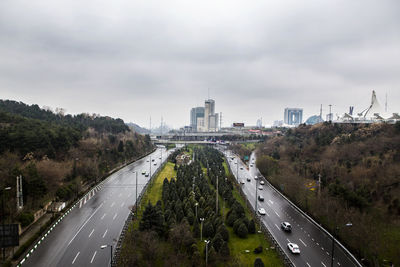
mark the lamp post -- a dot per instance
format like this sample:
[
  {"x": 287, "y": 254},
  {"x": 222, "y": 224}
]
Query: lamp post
[
  {"x": 4, "y": 218},
  {"x": 105, "y": 246},
  {"x": 195, "y": 205},
  {"x": 201, "y": 228},
  {"x": 333, "y": 240},
  {"x": 207, "y": 241}
]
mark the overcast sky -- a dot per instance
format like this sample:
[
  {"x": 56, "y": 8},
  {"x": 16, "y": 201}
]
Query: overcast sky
[{"x": 136, "y": 59}]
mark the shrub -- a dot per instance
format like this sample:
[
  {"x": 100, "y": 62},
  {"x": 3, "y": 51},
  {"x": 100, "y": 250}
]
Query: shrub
[
  {"x": 258, "y": 250},
  {"x": 242, "y": 231},
  {"x": 252, "y": 227},
  {"x": 258, "y": 263},
  {"x": 25, "y": 218},
  {"x": 223, "y": 232}
]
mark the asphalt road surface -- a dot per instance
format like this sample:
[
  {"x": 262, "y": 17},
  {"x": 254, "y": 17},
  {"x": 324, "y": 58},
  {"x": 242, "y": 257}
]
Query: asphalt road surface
[
  {"x": 97, "y": 220},
  {"x": 315, "y": 246}
]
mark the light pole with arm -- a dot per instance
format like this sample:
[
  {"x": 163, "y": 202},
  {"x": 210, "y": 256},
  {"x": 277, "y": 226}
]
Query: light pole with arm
[
  {"x": 105, "y": 246},
  {"x": 4, "y": 218},
  {"x": 333, "y": 240},
  {"x": 207, "y": 241},
  {"x": 201, "y": 228}
]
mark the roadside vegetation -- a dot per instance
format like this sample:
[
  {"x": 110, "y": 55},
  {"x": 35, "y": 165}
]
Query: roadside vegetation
[
  {"x": 360, "y": 182},
  {"x": 59, "y": 156},
  {"x": 178, "y": 212}
]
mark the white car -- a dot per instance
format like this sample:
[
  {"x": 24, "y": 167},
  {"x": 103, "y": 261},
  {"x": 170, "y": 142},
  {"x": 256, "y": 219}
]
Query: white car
[
  {"x": 155, "y": 163},
  {"x": 261, "y": 211},
  {"x": 255, "y": 177},
  {"x": 262, "y": 182},
  {"x": 242, "y": 181},
  {"x": 143, "y": 172},
  {"x": 294, "y": 248},
  {"x": 260, "y": 187}
]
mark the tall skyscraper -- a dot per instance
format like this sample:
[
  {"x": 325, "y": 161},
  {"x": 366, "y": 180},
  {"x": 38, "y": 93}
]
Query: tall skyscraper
[
  {"x": 195, "y": 113},
  {"x": 293, "y": 116}
]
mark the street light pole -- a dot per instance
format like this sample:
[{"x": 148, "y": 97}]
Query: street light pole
[
  {"x": 207, "y": 241},
  {"x": 216, "y": 203},
  {"x": 136, "y": 195},
  {"x": 201, "y": 228},
  {"x": 196, "y": 204},
  {"x": 4, "y": 218},
  {"x": 105, "y": 246},
  {"x": 333, "y": 240},
  {"x": 255, "y": 210}
]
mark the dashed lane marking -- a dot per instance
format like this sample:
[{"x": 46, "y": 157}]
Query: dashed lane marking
[
  {"x": 105, "y": 233},
  {"x": 77, "y": 254},
  {"x": 302, "y": 242},
  {"x": 91, "y": 233},
  {"x": 94, "y": 255}
]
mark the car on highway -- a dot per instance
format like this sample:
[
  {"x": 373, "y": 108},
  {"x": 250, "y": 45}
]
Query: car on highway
[
  {"x": 155, "y": 163},
  {"x": 294, "y": 248},
  {"x": 143, "y": 172},
  {"x": 260, "y": 198},
  {"x": 241, "y": 168},
  {"x": 241, "y": 181},
  {"x": 260, "y": 187},
  {"x": 248, "y": 179},
  {"x": 251, "y": 165},
  {"x": 146, "y": 175},
  {"x": 262, "y": 182},
  {"x": 286, "y": 226},
  {"x": 261, "y": 211},
  {"x": 255, "y": 177}
]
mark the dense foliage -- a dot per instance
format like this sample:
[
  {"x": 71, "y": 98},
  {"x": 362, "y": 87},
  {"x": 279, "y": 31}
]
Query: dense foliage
[
  {"x": 58, "y": 155},
  {"x": 360, "y": 181}
]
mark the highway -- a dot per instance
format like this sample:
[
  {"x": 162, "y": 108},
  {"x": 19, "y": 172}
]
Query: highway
[
  {"x": 96, "y": 220},
  {"x": 315, "y": 245}
]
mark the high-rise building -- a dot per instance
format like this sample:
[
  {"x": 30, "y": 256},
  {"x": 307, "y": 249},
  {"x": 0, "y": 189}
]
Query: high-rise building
[
  {"x": 195, "y": 113},
  {"x": 204, "y": 119},
  {"x": 293, "y": 116}
]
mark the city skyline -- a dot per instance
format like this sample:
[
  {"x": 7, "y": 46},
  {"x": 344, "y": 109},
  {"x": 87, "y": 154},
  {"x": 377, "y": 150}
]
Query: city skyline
[{"x": 140, "y": 60}]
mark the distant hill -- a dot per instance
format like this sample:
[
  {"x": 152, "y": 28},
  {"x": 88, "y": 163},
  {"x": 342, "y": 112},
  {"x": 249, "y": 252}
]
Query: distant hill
[{"x": 137, "y": 128}]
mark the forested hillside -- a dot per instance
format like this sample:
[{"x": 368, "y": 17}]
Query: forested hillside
[
  {"x": 58, "y": 155},
  {"x": 359, "y": 167}
]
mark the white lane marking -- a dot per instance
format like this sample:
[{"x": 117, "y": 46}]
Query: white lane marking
[
  {"x": 322, "y": 248},
  {"x": 277, "y": 227},
  {"x": 84, "y": 224},
  {"x": 277, "y": 214},
  {"x": 271, "y": 201},
  {"x": 123, "y": 203},
  {"x": 308, "y": 264},
  {"x": 317, "y": 244},
  {"x": 115, "y": 216},
  {"x": 327, "y": 253},
  {"x": 338, "y": 263},
  {"x": 91, "y": 233},
  {"x": 268, "y": 204},
  {"x": 112, "y": 204},
  {"x": 267, "y": 214},
  {"x": 94, "y": 255},
  {"x": 77, "y": 254},
  {"x": 323, "y": 264},
  {"x": 102, "y": 217},
  {"x": 105, "y": 233},
  {"x": 303, "y": 242},
  {"x": 288, "y": 240}
]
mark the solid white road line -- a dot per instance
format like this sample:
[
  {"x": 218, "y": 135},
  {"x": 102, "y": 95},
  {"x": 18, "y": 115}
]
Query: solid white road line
[
  {"x": 94, "y": 255},
  {"x": 115, "y": 216},
  {"x": 308, "y": 264},
  {"x": 105, "y": 233},
  {"x": 102, "y": 217},
  {"x": 84, "y": 224},
  {"x": 91, "y": 233},
  {"x": 77, "y": 254},
  {"x": 303, "y": 242}
]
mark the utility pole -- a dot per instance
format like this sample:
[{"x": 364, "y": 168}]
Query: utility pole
[
  {"x": 216, "y": 203},
  {"x": 136, "y": 196},
  {"x": 330, "y": 113},
  {"x": 255, "y": 210}
]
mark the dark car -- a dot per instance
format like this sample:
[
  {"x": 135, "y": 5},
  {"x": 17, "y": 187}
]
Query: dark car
[
  {"x": 260, "y": 198},
  {"x": 286, "y": 226}
]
